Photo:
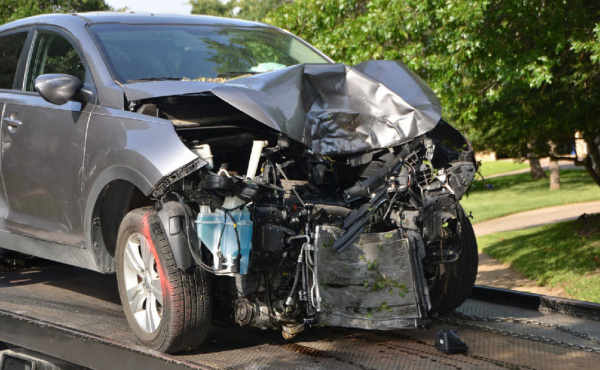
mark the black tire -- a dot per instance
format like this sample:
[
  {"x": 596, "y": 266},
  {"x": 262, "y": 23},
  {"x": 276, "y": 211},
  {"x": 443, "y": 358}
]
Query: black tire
[
  {"x": 177, "y": 317},
  {"x": 449, "y": 290}
]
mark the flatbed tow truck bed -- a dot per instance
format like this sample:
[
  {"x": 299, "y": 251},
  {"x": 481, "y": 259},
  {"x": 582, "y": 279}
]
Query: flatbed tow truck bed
[{"x": 75, "y": 315}]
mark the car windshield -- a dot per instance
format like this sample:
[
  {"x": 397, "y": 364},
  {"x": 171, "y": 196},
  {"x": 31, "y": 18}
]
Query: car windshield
[{"x": 136, "y": 53}]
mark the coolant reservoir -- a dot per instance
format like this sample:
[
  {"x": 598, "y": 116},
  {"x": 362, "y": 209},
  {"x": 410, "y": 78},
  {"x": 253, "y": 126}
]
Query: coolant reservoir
[{"x": 218, "y": 233}]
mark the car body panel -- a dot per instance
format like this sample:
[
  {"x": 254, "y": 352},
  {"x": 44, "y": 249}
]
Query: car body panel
[
  {"x": 42, "y": 170},
  {"x": 3, "y": 202},
  {"x": 120, "y": 141},
  {"x": 331, "y": 108},
  {"x": 49, "y": 187},
  {"x": 68, "y": 254}
]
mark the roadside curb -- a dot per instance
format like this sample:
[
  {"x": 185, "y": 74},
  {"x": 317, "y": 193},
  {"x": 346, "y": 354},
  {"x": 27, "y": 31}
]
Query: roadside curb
[{"x": 537, "y": 302}]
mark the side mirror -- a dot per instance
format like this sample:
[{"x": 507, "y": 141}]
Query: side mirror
[{"x": 59, "y": 88}]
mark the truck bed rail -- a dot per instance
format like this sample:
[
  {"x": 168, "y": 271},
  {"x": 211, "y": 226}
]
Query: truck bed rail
[{"x": 75, "y": 315}]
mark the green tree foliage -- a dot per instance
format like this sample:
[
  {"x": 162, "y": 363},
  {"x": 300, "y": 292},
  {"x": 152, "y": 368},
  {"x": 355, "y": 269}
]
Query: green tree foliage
[
  {"x": 257, "y": 10},
  {"x": 213, "y": 7},
  {"x": 11, "y": 10},
  {"x": 254, "y": 10},
  {"x": 514, "y": 74}
]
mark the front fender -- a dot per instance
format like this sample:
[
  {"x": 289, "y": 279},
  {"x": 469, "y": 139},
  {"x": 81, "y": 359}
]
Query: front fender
[
  {"x": 149, "y": 145},
  {"x": 142, "y": 150}
]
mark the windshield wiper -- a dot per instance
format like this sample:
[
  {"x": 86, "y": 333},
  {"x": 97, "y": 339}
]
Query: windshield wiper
[
  {"x": 235, "y": 74},
  {"x": 155, "y": 79}
]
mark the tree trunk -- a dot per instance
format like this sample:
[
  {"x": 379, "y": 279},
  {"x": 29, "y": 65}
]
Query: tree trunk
[
  {"x": 537, "y": 172},
  {"x": 554, "y": 175}
]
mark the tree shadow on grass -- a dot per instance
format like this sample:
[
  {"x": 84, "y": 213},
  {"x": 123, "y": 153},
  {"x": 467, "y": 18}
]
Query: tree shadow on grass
[{"x": 547, "y": 252}]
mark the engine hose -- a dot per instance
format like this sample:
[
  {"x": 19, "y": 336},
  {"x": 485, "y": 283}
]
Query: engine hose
[
  {"x": 290, "y": 298},
  {"x": 274, "y": 276},
  {"x": 237, "y": 237}
]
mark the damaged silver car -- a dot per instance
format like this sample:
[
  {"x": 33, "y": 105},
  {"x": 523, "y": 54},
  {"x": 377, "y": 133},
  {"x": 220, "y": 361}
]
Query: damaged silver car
[{"x": 228, "y": 172}]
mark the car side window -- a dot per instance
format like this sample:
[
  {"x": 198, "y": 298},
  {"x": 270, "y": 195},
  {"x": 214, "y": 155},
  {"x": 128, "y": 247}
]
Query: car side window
[
  {"x": 10, "y": 52},
  {"x": 52, "y": 53}
]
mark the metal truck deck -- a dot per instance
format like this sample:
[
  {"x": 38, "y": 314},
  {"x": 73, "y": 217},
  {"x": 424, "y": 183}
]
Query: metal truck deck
[{"x": 75, "y": 315}]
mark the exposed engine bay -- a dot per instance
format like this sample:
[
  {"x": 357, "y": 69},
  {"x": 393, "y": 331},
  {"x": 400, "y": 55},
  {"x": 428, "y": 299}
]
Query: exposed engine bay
[
  {"x": 294, "y": 238},
  {"x": 297, "y": 233}
]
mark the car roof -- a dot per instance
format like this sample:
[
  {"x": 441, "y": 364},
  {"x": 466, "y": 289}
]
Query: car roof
[
  {"x": 151, "y": 18},
  {"x": 83, "y": 19}
]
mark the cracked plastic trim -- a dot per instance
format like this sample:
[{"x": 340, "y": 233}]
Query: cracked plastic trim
[{"x": 166, "y": 181}]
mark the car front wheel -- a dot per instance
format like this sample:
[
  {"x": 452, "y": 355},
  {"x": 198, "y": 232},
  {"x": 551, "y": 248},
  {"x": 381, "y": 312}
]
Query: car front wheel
[
  {"x": 168, "y": 309},
  {"x": 449, "y": 289}
]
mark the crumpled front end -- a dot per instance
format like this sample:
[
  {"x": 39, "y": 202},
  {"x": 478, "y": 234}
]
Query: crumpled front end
[
  {"x": 326, "y": 195},
  {"x": 330, "y": 108}
]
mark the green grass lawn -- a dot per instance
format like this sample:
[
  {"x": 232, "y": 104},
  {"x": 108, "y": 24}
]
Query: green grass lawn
[
  {"x": 565, "y": 255},
  {"x": 517, "y": 193},
  {"x": 490, "y": 168}
]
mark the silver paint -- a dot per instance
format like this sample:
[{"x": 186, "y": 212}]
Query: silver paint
[{"x": 55, "y": 165}]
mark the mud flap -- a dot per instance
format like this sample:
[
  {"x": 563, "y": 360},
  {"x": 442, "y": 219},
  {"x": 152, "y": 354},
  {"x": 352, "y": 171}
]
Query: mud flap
[{"x": 377, "y": 283}]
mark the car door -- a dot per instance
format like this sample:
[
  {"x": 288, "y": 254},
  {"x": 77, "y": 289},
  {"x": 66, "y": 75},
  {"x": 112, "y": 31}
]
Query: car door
[
  {"x": 11, "y": 47},
  {"x": 43, "y": 146}
]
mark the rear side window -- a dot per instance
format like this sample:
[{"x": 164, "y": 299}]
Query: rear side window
[{"x": 10, "y": 52}]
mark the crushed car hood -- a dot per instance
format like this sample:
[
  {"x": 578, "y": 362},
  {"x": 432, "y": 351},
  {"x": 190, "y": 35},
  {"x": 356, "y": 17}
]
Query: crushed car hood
[{"x": 331, "y": 108}]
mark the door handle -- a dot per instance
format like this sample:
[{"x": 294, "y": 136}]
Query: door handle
[{"x": 12, "y": 123}]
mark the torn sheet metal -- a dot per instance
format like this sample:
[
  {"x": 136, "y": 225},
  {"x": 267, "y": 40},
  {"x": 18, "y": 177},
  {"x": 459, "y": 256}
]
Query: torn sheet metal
[
  {"x": 373, "y": 285},
  {"x": 331, "y": 108}
]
